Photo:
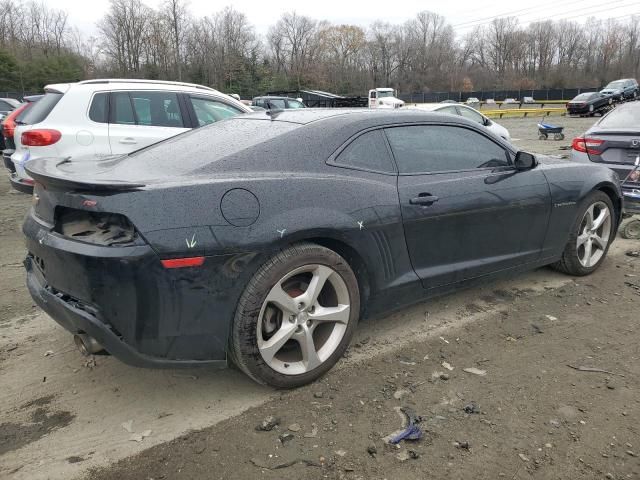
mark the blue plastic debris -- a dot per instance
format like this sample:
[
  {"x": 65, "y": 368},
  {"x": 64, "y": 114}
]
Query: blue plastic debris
[{"x": 413, "y": 430}]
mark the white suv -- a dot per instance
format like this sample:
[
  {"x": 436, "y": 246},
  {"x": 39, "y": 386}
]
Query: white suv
[{"x": 110, "y": 117}]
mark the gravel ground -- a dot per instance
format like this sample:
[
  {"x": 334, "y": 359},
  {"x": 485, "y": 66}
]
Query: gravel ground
[{"x": 524, "y": 133}]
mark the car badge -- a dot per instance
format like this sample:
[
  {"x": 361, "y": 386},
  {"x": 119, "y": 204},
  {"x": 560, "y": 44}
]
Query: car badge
[
  {"x": 89, "y": 203},
  {"x": 635, "y": 143}
]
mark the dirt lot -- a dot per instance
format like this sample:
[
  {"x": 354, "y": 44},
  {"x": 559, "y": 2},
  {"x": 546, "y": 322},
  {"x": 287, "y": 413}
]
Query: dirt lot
[{"x": 61, "y": 416}]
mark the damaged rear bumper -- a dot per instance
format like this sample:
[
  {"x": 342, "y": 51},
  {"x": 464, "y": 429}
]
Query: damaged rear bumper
[
  {"x": 71, "y": 315},
  {"x": 140, "y": 312}
]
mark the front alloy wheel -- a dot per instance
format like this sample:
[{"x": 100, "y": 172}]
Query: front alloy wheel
[
  {"x": 595, "y": 231},
  {"x": 296, "y": 316},
  {"x": 590, "y": 237}
]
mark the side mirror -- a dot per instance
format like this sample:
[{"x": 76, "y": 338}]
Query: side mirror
[
  {"x": 486, "y": 122},
  {"x": 524, "y": 161}
]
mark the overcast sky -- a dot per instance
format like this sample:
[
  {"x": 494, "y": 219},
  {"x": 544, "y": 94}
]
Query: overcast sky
[{"x": 463, "y": 14}]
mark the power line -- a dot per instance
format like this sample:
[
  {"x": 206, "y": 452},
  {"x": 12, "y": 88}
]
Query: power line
[
  {"x": 555, "y": 14},
  {"x": 505, "y": 14},
  {"x": 587, "y": 14},
  {"x": 486, "y": 20}
]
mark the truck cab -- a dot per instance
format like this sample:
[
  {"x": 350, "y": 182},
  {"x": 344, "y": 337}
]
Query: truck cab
[{"x": 384, "y": 98}]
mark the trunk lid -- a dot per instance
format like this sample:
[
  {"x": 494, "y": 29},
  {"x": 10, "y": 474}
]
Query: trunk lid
[{"x": 619, "y": 149}]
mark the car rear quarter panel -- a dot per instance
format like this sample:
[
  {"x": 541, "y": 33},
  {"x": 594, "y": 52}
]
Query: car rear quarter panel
[
  {"x": 357, "y": 210},
  {"x": 570, "y": 183}
]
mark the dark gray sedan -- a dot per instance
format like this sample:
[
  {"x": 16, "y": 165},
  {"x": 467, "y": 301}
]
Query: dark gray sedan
[
  {"x": 263, "y": 239},
  {"x": 614, "y": 142}
]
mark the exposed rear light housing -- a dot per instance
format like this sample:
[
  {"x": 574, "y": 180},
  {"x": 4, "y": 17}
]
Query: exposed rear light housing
[
  {"x": 587, "y": 145},
  {"x": 98, "y": 228},
  {"x": 40, "y": 137}
]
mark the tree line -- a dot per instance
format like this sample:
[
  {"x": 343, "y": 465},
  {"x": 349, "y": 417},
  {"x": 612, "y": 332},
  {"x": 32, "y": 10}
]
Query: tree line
[{"x": 223, "y": 50}]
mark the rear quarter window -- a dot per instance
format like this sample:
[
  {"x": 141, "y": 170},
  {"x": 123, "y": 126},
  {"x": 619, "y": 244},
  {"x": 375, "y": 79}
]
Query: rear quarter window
[
  {"x": 367, "y": 152},
  {"x": 99, "y": 108},
  {"x": 42, "y": 108}
]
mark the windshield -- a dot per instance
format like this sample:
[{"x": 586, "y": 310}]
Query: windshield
[
  {"x": 616, "y": 84},
  {"x": 622, "y": 117},
  {"x": 384, "y": 94},
  {"x": 295, "y": 104},
  {"x": 583, "y": 96}
]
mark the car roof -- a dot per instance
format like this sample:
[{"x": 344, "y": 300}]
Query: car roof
[
  {"x": 355, "y": 117},
  {"x": 286, "y": 141},
  {"x": 128, "y": 84},
  {"x": 432, "y": 106}
]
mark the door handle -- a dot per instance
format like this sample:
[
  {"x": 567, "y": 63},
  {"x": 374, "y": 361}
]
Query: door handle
[
  {"x": 128, "y": 141},
  {"x": 424, "y": 199}
]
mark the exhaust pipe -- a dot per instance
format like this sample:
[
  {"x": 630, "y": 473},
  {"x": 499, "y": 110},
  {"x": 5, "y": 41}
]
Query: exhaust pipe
[{"x": 86, "y": 344}]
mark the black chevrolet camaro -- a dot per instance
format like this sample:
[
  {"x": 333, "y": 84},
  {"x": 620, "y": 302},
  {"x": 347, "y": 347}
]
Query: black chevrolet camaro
[{"x": 262, "y": 239}]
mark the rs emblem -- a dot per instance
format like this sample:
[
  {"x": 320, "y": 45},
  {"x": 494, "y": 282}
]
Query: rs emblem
[{"x": 635, "y": 143}]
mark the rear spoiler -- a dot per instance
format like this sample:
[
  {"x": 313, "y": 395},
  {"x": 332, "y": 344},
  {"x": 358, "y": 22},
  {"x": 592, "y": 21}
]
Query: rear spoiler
[{"x": 45, "y": 171}]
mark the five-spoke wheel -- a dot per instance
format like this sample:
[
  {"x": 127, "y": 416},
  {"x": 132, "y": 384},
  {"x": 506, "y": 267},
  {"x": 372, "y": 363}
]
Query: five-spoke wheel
[
  {"x": 303, "y": 319},
  {"x": 296, "y": 317},
  {"x": 591, "y": 235},
  {"x": 595, "y": 231}
]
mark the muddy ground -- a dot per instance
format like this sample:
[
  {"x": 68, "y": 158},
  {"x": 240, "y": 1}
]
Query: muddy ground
[
  {"x": 61, "y": 416},
  {"x": 530, "y": 414}
]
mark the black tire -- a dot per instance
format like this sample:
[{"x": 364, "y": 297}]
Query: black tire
[
  {"x": 569, "y": 263},
  {"x": 243, "y": 342},
  {"x": 631, "y": 230}
]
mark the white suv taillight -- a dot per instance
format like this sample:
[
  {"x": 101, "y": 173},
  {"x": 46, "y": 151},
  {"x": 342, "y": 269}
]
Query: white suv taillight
[{"x": 40, "y": 137}]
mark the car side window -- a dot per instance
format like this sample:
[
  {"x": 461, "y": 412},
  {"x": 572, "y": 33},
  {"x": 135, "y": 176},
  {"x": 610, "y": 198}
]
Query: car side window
[
  {"x": 157, "y": 109},
  {"x": 98, "y": 109},
  {"x": 209, "y": 110},
  {"x": 295, "y": 104},
  {"x": 276, "y": 103},
  {"x": 4, "y": 106},
  {"x": 122, "y": 110},
  {"x": 471, "y": 115},
  {"x": 439, "y": 148},
  {"x": 367, "y": 152}
]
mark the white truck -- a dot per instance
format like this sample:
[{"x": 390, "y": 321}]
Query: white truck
[{"x": 384, "y": 98}]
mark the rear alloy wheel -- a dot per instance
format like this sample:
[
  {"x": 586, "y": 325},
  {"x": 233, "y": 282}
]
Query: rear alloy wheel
[
  {"x": 591, "y": 236},
  {"x": 296, "y": 317}
]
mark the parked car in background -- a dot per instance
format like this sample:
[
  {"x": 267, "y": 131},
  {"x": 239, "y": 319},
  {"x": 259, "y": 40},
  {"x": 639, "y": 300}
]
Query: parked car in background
[
  {"x": 528, "y": 100},
  {"x": 164, "y": 258},
  {"x": 467, "y": 112},
  {"x": 614, "y": 141},
  {"x": 448, "y": 101},
  {"x": 280, "y": 103},
  {"x": 112, "y": 116},
  {"x": 623, "y": 89},
  {"x": 472, "y": 101},
  {"x": 588, "y": 103},
  {"x": 8, "y": 105},
  {"x": 508, "y": 101},
  {"x": 8, "y": 127}
]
